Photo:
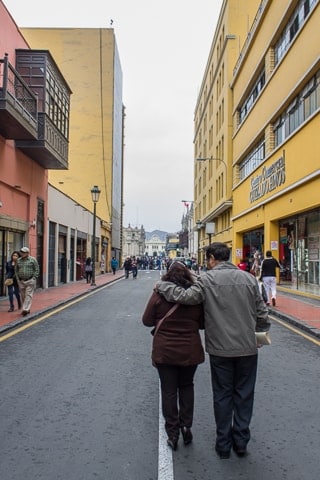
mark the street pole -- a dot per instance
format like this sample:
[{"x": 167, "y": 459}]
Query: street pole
[
  {"x": 95, "y": 192},
  {"x": 93, "y": 249}
]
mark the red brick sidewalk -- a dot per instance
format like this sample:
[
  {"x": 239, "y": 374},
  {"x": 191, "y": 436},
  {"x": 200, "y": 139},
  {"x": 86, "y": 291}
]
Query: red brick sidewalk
[{"x": 299, "y": 310}]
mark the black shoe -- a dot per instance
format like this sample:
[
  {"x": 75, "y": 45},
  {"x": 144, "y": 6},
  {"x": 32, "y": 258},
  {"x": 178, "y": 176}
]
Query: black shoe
[
  {"x": 223, "y": 454},
  {"x": 25, "y": 312},
  {"x": 187, "y": 435},
  {"x": 11, "y": 309},
  {"x": 240, "y": 451},
  {"x": 173, "y": 443}
]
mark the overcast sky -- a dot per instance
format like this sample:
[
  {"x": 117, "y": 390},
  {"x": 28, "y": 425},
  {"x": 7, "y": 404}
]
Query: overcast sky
[{"x": 163, "y": 47}]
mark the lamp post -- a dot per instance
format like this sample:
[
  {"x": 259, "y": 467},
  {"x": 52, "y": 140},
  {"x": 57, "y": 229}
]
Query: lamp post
[
  {"x": 95, "y": 192},
  {"x": 211, "y": 158},
  {"x": 199, "y": 226},
  {"x": 204, "y": 159}
]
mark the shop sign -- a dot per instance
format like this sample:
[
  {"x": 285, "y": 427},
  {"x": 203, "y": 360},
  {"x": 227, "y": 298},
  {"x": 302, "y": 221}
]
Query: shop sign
[
  {"x": 274, "y": 245},
  {"x": 283, "y": 235},
  {"x": 270, "y": 178}
]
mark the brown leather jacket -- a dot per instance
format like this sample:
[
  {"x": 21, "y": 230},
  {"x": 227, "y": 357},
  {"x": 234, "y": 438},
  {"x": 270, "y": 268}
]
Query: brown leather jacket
[{"x": 177, "y": 341}]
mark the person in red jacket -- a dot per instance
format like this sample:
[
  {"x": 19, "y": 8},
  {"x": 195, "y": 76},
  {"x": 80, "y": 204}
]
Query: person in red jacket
[{"x": 176, "y": 352}]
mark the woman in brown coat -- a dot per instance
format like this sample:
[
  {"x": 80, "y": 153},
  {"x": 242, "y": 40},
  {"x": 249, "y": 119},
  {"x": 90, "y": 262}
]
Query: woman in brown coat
[{"x": 176, "y": 352}]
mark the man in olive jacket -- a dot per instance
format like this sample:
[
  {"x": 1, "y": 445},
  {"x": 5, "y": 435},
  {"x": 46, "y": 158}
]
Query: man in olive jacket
[{"x": 234, "y": 310}]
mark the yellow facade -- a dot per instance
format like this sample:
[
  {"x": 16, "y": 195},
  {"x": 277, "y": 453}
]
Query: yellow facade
[
  {"x": 276, "y": 142},
  {"x": 257, "y": 129},
  {"x": 212, "y": 123},
  {"x": 88, "y": 59}
]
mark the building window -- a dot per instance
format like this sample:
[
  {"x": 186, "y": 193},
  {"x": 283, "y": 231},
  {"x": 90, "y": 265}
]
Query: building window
[
  {"x": 255, "y": 157},
  {"x": 302, "y": 106},
  {"x": 253, "y": 95},
  {"x": 291, "y": 29}
]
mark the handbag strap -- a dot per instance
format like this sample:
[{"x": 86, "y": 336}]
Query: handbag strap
[{"x": 172, "y": 309}]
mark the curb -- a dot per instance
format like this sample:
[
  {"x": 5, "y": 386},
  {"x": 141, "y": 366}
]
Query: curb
[
  {"x": 315, "y": 332},
  {"x": 24, "y": 320}
]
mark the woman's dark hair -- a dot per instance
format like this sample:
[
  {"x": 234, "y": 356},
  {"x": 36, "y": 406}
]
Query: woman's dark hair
[
  {"x": 220, "y": 251},
  {"x": 15, "y": 252},
  {"x": 88, "y": 261},
  {"x": 179, "y": 274}
]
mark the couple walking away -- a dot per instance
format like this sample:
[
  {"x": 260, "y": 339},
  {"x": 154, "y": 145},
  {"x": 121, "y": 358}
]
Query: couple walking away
[
  {"x": 22, "y": 272},
  {"x": 233, "y": 310}
]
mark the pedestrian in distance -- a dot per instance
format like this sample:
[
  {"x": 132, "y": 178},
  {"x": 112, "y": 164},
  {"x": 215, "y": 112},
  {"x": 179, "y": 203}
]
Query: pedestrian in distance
[
  {"x": 88, "y": 269},
  {"x": 134, "y": 269},
  {"x": 114, "y": 265},
  {"x": 255, "y": 268},
  {"x": 11, "y": 281},
  {"x": 176, "y": 352},
  {"x": 269, "y": 278},
  {"x": 27, "y": 271},
  {"x": 127, "y": 266},
  {"x": 233, "y": 310},
  {"x": 243, "y": 265}
]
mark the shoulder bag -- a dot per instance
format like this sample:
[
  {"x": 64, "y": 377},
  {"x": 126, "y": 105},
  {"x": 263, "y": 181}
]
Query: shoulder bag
[{"x": 172, "y": 309}]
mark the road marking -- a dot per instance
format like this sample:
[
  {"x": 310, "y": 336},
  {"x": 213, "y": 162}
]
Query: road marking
[
  {"x": 296, "y": 330},
  {"x": 165, "y": 463},
  {"x": 17, "y": 330}
]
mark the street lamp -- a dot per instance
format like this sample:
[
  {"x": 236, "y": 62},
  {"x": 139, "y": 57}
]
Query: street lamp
[
  {"x": 204, "y": 159},
  {"x": 199, "y": 225},
  {"x": 211, "y": 158},
  {"x": 95, "y": 193}
]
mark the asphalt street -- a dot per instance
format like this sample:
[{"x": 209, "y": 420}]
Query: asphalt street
[{"x": 80, "y": 400}]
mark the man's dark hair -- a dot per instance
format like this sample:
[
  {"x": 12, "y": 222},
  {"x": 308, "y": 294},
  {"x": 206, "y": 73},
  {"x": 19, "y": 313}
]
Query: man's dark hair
[
  {"x": 220, "y": 251},
  {"x": 268, "y": 253}
]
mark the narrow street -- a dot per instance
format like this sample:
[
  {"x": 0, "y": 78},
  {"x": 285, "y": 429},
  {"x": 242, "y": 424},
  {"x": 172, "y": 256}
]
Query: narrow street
[{"x": 80, "y": 400}]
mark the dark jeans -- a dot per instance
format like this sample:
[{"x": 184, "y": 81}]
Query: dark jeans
[
  {"x": 127, "y": 273},
  {"x": 13, "y": 290},
  {"x": 89, "y": 276},
  {"x": 177, "y": 397},
  {"x": 233, "y": 382}
]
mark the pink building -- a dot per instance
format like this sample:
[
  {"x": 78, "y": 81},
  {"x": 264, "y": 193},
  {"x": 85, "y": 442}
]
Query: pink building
[{"x": 34, "y": 124}]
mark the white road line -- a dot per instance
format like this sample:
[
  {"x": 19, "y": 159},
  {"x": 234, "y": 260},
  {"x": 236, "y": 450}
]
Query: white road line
[{"x": 165, "y": 463}]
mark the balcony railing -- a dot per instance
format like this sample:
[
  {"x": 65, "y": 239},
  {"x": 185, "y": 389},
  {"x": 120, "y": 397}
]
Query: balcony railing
[
  {"x": 18, "y": 105},
  {"x": 51, "y": 149}
]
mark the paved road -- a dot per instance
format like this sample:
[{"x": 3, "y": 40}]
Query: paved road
[{"x": 79, "y": 401}]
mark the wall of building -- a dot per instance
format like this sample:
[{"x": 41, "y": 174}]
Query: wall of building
[
  {"x": 213, "y": 117},
  {"x": 90, "y": 62},
  {"x": 23, "y": 183},
  {"x": 277, "y": 202}
]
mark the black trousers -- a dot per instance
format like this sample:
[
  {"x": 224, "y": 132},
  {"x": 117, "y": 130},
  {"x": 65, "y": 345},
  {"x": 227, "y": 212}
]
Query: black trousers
[
  {"x": 177, "y": 397},
  {"x": 233, "y": 382}
]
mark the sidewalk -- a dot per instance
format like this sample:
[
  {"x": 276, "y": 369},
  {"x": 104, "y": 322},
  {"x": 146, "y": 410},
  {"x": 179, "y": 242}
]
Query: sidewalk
[{"x": 303, "y": 311}]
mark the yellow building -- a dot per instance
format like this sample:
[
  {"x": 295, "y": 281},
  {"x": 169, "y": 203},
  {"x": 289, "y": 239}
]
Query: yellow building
[
  {"x": 276, "y": 141},
  {"x": 213, "y": 126},
  {"x": 89, "y": 60}
]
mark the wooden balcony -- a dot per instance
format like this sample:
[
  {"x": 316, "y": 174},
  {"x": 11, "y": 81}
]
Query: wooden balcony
[
  {"x": 18, "y": 105},
  {"x": 51, "y": 149},
  {"x": 40, "y": 72}
]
